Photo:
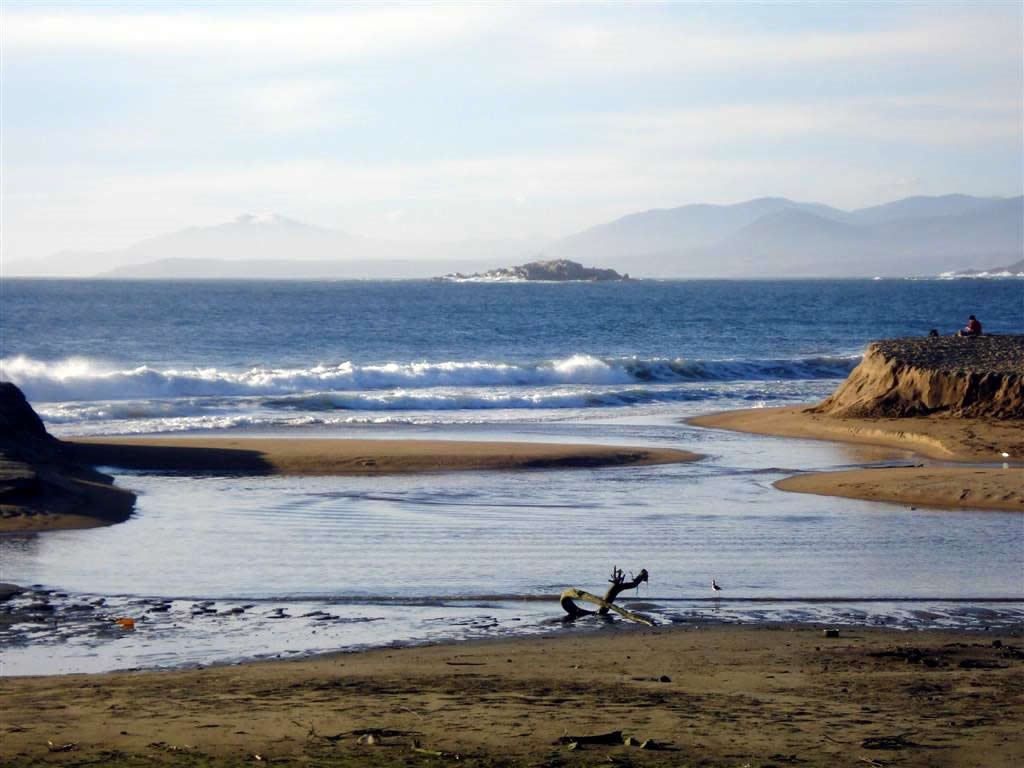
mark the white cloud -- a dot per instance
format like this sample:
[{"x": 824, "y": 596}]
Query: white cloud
[
  {"x": 541, "y": 41},
  {"x": 609, "y": 111},
  {"x": 684, "y": 46},
  {"x": 948, "y": 120},
  {"x": 288, "y": 106},
  {"x": 301, "y": 35}
]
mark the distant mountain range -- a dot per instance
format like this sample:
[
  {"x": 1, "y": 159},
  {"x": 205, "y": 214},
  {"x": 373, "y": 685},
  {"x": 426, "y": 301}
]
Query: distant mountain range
[
  {"x": 766, "y": 237},
  {"x": 274, "y": 246},
  {"x": 779, "y": 237}
]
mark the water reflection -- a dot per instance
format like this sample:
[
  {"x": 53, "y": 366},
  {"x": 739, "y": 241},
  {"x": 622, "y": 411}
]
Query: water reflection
[{"x": 313, "y": 544}]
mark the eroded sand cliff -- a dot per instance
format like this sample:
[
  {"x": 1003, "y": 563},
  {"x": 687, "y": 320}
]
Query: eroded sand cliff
[{"x": 979, "y": 377}]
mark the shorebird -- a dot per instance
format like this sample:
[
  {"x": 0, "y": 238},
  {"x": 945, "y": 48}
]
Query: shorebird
[{"x": 715, "y": 587}]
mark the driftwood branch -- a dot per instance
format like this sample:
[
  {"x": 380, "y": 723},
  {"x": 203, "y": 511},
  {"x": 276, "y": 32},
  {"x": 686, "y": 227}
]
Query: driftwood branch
[{"x": 605, "y": 604}]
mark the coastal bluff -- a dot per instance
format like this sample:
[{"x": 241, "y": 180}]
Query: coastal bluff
[{"x": 978, "y": 378}]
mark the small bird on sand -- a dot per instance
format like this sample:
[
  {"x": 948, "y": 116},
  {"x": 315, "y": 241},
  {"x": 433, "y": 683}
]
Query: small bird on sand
[{"x": 714, "y": 586}]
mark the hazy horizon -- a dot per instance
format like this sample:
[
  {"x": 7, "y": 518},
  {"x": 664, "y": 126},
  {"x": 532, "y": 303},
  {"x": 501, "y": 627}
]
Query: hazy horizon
[
  {"x": 770, "y": 236},
  {"x": 284, "y": 217},
  {"x": 439, "y": 123}
]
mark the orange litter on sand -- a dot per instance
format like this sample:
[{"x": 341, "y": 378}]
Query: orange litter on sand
[{"x": 125, "y": 623}]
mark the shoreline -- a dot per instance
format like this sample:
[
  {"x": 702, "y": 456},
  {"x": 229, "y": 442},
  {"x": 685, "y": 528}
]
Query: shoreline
[
  {"x": 96, "y": 504},
  {"x": 716, "y": 695},
  {"x": 968, "y": 441}
]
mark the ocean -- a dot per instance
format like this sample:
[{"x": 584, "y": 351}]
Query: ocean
[
  {"x": 106, "y": 357},
  {"x": 287, "y": 566}
]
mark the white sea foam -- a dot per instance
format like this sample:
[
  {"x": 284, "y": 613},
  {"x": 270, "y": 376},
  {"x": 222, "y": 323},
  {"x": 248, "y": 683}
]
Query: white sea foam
[
  {"x": 80, "y": 379},
  {"x": 466, "y": 405},
  {"x": 475, "y": 398}
]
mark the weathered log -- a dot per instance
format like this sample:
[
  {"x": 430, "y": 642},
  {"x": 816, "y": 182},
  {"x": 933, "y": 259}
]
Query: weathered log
[{"x": 605, "y": 604}]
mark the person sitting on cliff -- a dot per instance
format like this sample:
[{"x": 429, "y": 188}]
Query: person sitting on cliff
[{"x": 973, "y": 327}]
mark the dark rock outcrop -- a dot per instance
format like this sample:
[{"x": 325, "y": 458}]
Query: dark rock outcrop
[
  {"x": 981, "y": 377},
  {"x": 17, "y": 419},
  {"x": 558, "y": 270},
  {"x": 40, "y": 485},
  {"x": 23, "y": 440}
]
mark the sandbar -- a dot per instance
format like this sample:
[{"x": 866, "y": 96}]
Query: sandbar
[
  {"x": 951, "y": 439},
  {"x": 72, "y": 495},
  {"x": 940, "y": 487},
  {"x": 702, "y": 695},
  {"x": 327, "y": 456},
  {"x": 944, "y": 438}
]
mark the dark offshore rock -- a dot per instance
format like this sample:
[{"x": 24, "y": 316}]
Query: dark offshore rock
[
  {"x": 558, "y": 270},
  {"x": 980, "y": 377}
]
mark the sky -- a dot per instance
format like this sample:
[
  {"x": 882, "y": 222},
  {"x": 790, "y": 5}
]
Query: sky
[{"x": 122, "y": 121}]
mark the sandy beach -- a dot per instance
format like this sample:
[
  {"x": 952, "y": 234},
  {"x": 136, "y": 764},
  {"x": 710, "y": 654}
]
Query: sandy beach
[
  {"x": 945, "y": 439},
  {"x": 949, "y": 439},
  {"x": 951, "y": 399},
  {"x": 512, "y": 384},
  {"x": 694, "y": 694},
  {"x": 721, "y": 695}
]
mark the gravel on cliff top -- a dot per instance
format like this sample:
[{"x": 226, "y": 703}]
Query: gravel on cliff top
[{"x": 980, "y": 354}]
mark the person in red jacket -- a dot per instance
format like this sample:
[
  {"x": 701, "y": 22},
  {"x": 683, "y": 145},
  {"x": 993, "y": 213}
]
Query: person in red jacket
[{"x": 973, "y": 327}]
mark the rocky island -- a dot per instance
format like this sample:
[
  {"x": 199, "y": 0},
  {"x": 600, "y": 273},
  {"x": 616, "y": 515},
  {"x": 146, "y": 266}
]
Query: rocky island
[
  {"x": 558, "y": 270},
  {"x": 1010, "y": 270}
]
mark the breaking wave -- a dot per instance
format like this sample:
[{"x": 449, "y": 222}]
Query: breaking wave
[
  {"x": 81, "y": 379},
  {"x": 384, "y": 401}
]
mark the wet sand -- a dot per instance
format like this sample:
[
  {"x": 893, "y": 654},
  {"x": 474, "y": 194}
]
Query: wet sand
[
  {"x": 327, "y": 456},
  {"x": 948, "y": 439},
  {"x": 723, "y": 695},
  {"x": 943, "y": 487},
  {"x": 944, "y": 438}
]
